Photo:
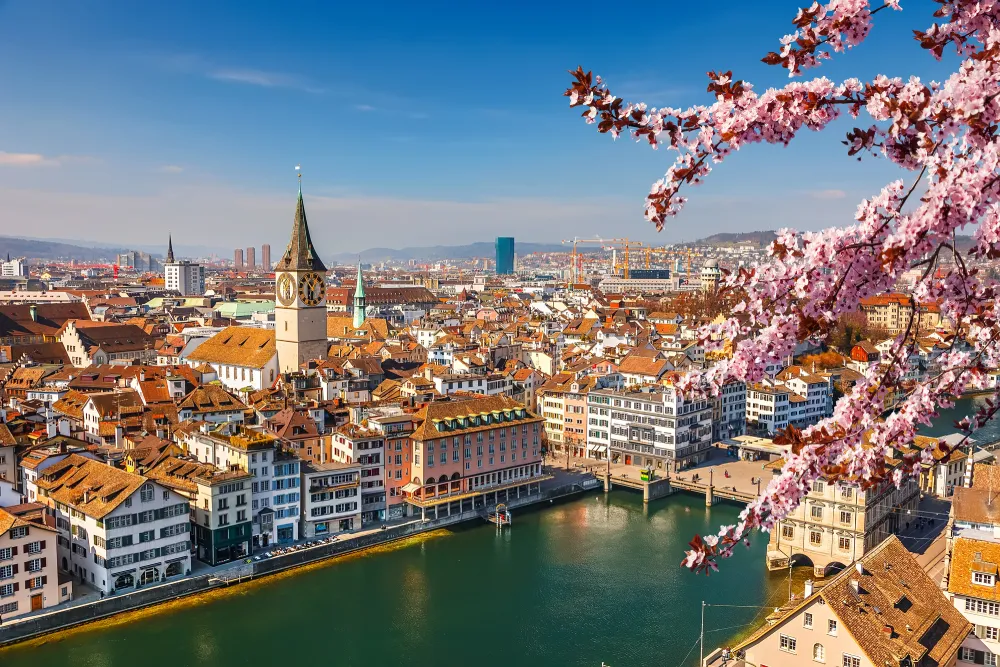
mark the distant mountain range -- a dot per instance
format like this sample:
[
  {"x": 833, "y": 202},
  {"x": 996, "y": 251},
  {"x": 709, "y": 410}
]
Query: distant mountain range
[
  {"x": 37, "y": 249},
  {"x": 763, "y": 239},
  {"x": 441, "y": 252}
]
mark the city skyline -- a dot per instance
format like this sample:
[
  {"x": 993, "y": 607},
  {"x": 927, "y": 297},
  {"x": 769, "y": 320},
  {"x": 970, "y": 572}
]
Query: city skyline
[{"x": 202, "y": 123}]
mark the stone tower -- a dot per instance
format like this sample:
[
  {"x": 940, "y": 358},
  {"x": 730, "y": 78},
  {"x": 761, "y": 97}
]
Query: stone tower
[
  {"x": 300, "y": 298},
  {"x": 359, "y": 300}
]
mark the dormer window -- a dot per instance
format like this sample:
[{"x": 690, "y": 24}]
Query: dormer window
[{"x": 983, "y": 578}]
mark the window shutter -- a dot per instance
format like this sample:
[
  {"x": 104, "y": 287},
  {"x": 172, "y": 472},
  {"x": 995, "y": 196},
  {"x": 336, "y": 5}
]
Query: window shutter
[
  {"x": 15, "y": 568},
  {"x": 43, "y": 545},
  {"x": 45, "y": 580},
  {"x": 43, "y": 563},
  {"x": 13, "y": 551},
  {"x": 17, "y": 586}
]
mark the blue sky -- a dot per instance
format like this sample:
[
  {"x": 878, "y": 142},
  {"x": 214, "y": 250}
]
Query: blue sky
[{"x": 416, "y": 123}]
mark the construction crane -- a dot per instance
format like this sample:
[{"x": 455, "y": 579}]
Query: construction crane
[{"x": 606, "y": 244}]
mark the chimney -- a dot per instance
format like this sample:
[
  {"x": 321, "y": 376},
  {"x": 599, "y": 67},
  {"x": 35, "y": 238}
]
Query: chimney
[
  {"x": 855, "y": 586},
  {"x": 859, "y": 567},
  {"x": 51, "y": 429},
  {"x": 808, "y": 590},
  {"x": 33, "y": 311}
]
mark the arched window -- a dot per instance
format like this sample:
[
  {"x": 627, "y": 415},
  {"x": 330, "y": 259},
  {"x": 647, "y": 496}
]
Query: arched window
[{"x": 819, "y": 655}]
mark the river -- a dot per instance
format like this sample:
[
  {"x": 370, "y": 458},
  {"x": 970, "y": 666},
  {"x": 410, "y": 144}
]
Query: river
[
  {"x": 945, "y": 423},
  {"x": 590, "y": 580}
]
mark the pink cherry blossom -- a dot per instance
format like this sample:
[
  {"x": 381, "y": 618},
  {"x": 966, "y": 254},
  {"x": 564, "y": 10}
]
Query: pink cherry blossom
[{"x": 945, "y": 134}]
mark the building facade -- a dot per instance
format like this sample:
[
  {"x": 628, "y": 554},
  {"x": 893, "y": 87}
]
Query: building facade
[
  {"x": 29, "y": 577},
  {"x": 505, "y": 255}
]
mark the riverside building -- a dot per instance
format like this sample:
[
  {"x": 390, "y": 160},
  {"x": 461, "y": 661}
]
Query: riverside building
[{"x": 651, "y": 426}]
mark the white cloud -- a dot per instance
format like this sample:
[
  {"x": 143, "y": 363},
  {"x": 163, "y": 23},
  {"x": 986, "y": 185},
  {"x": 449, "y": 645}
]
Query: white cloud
[
  {"x": 364, "y": 107},
  {"x": 170, "y": 169},
  {"x": 264, "y": 79},
  {"x": 27, "y": 160},
  {"x": 827, "y": 194}
]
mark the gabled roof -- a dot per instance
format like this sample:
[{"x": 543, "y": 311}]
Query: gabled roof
[
  {"x": 238, "y": 346},
  {"x": 89, "y": 486}
]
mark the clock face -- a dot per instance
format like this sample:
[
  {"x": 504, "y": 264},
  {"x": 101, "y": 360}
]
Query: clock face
[
  {"x": 312, "y": 289},
  {"x": 285, "y": 289}
]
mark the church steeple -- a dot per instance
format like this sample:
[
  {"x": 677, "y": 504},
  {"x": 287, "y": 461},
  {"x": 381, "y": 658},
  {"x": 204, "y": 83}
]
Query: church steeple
[
  {"x": 359, "y": 299},
  {"x": 170, "y": 249},
  {"x": 300, "y": 254}
]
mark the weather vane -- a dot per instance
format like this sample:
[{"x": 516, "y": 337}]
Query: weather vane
[{"x": 298, "y": 170}]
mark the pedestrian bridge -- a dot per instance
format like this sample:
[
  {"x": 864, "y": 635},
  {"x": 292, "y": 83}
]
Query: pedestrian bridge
[{"x": 665, "y": 486}]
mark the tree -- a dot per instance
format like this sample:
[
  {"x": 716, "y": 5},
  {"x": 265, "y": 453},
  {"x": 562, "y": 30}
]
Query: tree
[{"x": 946, "y": 135}]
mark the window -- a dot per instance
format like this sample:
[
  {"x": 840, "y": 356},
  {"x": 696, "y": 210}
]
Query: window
[
  {"x": 18, "y": 532},
  {"x": 846, "y": 518},
  {"x": 147, "y": 536},
  {"x": 6, "y": 572},
  {"x": 987, "y": 632},
  {"x": 815, "y": 537},
  {"x": 816, "y": 512},
  {"x": 8, "y": 608},
  {"x": 34, "y": 565},
  {"x": 982, "y": 578},
  {"x": 786, "y": 643},
  {"x": 831, "y": 628},
  {"x": 982, "y": 607},
  {"x": 807, "y": 620},
  {"x": 6, "y": 589},
  {"x": 33, "y": 548},
  {"x": 851, "y": 660},
  {"x": 818, "y": 486},
  {"x": 788, "y": 532},
  {"x": 844, "y": 543},
  {"x": 146, "y": 494},
  {"x": 6, "y": 554},
  {"x": 819, "y": 655},
  {"x": 36, "y": 582}
]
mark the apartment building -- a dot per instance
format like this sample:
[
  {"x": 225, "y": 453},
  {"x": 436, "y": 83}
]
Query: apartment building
[
  {"x": 466, "y": 450},
  {"x": 396, "y": 430},
  {"x": 794, "y": 397},
  {"x": 223, "y": 529},
  {"x": 893, "y": 313},
  {"x": 29, "y": 576},
  {"x": 563, "y": 402},
  {"x": 650, "y": 426},
  {"x": 729, "y": 411},
  {"x": 286, "y": 499},
  {"x": 228, "y": 446},
  {"x": 331, "y": 501},
  {"x": 354, "y": 443},
  {"x": 117, "y": 530},
  {"x": 838, "y": 523},
  {"x": 883, "y": 611}
]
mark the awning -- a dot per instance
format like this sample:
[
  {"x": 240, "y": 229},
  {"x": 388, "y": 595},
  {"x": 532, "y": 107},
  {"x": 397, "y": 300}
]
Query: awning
[{"x": 410, "y": 487}]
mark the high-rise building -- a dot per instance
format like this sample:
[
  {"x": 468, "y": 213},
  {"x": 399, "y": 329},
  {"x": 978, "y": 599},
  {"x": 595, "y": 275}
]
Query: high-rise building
[
  {"x": 265, "y": 257},
  {"x": 505, "y": 255},
  {"x": 300, "y": 295},
  {"x": 251, "y": 258},
  {"x": 238, "y": 259},
  {"x": 13, "y": 268},
  {"x": 183, "y": 277}
]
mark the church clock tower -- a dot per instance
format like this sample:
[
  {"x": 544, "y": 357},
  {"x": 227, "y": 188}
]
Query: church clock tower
[{"x": 300, "y": 298}]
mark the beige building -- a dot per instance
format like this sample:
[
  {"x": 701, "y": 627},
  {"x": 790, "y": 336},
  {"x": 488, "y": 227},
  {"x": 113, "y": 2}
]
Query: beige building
[
  {"x": 29, "y": 579},
  {"x": 838, "y": 523},
  {"x": 884, "y": 611}
]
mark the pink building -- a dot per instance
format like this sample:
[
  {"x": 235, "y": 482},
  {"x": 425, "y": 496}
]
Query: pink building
[
  {"x": 472, "y": 454},
  {"x": 29, "y": 578}
]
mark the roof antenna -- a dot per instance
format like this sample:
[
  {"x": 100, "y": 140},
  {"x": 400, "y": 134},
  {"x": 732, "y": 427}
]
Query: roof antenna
[{"x": 298, "y": 169}]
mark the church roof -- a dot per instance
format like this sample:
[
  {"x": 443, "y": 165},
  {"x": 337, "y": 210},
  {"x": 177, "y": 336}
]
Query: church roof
[
  {"x": 359, "y": 291},
  {"x": 170, "y": 249},
  {"x": 300, "y": 254}
]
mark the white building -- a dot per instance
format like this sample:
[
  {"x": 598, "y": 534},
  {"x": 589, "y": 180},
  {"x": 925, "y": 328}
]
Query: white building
[
  {"x": 117, "y": 530},
  {"x": 729, "y": 411},
  {"x": 233, "y": 445},
  {"x": 185, "y": 278},
  {"x": 652, "y": 426},
  {"x": 286, "y": 497},
  {"x": 353, "y": 444},
  {"x": 331, "y": 501},
  {"x": 243, "y": 357},
  {"x": 14, "y": 268}
]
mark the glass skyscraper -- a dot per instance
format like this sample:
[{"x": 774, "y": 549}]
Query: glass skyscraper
[{"x": 505, "y": 254}]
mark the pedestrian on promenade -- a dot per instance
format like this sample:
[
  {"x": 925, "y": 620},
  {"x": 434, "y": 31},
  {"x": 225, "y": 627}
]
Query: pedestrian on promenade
[{"x": 725, "y": 656}]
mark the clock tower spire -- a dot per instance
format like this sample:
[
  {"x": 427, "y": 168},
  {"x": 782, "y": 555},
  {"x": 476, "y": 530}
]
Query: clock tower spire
[{"x": 300, "y": 297}]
